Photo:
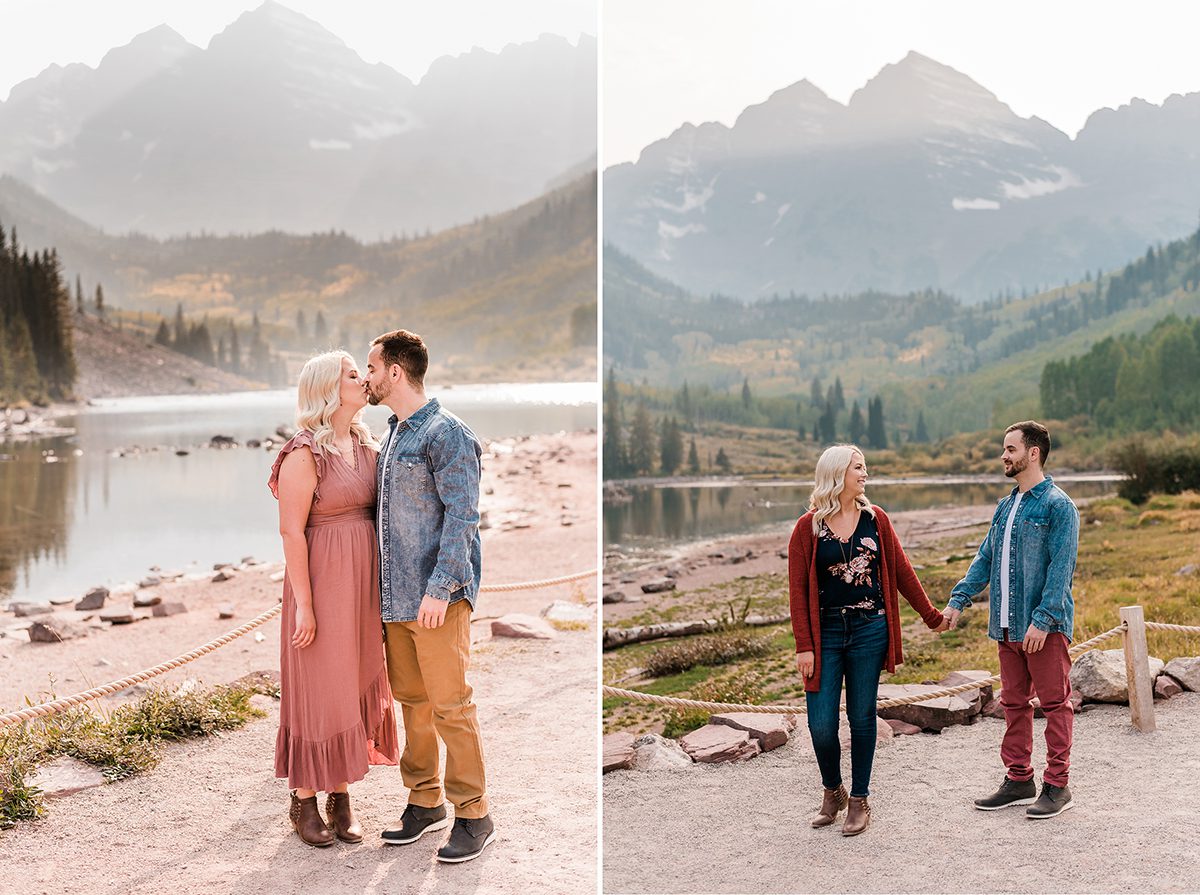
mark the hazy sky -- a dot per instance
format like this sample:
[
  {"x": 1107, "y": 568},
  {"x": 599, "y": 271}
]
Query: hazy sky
[
  {"x": 670, "y": 61},
  {"x": 406, "y": 34}
]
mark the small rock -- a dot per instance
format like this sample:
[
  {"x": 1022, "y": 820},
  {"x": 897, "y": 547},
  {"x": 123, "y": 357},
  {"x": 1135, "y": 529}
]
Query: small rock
[
  {"x": 655, "y": 753},
  {"x": 516, "y": 624},
  {"x": 25, "y": 610},
  {"x": 931, "y": 714},
  {"x": 658, "y": 586},
  {"x": 150, "y": 581},
  {"x": 1186, "y": 670},
  {"x": 285, "y": 432},
  {"x": 224, "y": 575},
  {"x": 143, "y": 599},
  {"x": 1099, "y": 675},
  {"x": 116, "y": 616},
  {"x": 226, "y": 611},
  {"x": 993, "y": 710},
  {"x": 61, "y": 601},
  {"x": 65, "y": 775},
  {"x": 1190, "y": 569},
  {"x": 54, "y": 631},
  {"x": 217, "y": 566},
  {"x": 222, "y": 441},
  {"x": 163, "y": 610},
  {"x": 618, "y": 751},
  {"x": 259, "y": 637},
  {"x": 771, "y": 731},
  {"x": 718, "y": 743},
  {"x": 1165, "y": 686},
  {"x": 249, "y": 561},
  {"x": 984, "y": 694},
  {"x": 901, "y": 728},
  {"x": 613, "y": 596},
  {"x": 279, "y": 576},
  {"x": 93, "y": 599},
  {"x": 253, "y": 443},
  {"x": 565, "y": 611}
]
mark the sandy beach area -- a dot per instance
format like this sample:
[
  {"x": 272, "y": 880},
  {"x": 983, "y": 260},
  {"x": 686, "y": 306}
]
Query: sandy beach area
[{"x": 211, "y": 817}]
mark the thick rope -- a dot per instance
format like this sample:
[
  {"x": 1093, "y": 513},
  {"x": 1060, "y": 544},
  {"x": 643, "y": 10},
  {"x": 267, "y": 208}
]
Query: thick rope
[
  {"x": 1163, "y": 626},
  {"x": 66, "y": 702},
  {"x": 639, "y": 696}
]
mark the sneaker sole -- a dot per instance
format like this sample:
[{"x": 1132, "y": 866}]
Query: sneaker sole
[
  {"x": 1048, "y": 816},
  {"x": 1028, "y": 801},
  {"x": 473, "y": 855},
  {"x": 436, "y": 825}
]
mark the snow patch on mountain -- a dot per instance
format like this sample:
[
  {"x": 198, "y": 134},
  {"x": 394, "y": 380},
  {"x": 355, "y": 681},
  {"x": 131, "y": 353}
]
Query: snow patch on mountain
[
  {"x": 974, "y": 204},
  {"x": 692, "y": 199},
  {"x": 783, "y": 210},
  {"x": 1063, "y": 179}
]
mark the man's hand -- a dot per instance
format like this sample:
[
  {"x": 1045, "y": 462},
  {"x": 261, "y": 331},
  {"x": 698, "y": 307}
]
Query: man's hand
[
  {"x": 1035, "y": 639},
  {"x": 805, "y": 663},
  {"x": 951, "y": 615},
  {"x": 943, "y": 626},
  {"x": 432, "y": 612}
]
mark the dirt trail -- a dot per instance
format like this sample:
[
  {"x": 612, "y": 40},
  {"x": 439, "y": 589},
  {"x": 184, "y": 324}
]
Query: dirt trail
[
  {"x": 744, "y": 827},
  {"x": 211, "y": 818}
]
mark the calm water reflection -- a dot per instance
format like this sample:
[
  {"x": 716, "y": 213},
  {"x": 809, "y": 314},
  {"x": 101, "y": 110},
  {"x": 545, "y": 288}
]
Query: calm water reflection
[
  {"x": 661, "y": 516},
  {"x": 92, "y": 517}
]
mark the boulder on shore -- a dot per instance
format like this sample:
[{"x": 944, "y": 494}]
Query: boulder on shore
[
  {"x": 1186, "y": 670},
  {"x": 771, "y": 731},
  {"x": 658, "y": 586},
  {"x": 1099, "y": 675},
  {"x": 717, "y": 743},
  {"x": 935, "y": 713},
  {"x": 618, "y": 751},
  {"x": 517, "y": 624},
  {"x": 655, "y": 753},
  {"x": 93, "y": 599}
]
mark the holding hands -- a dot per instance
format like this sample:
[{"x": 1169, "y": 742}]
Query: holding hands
[{"x": 805, "y": 663}]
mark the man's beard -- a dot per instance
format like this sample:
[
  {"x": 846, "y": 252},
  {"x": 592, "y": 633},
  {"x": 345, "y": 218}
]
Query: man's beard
[
  {"x": 1017, "y": 467},
  {"x": 374, "y": 398}
]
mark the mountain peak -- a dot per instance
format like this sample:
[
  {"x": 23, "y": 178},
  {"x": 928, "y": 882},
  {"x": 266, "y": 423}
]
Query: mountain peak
[{"x": 274, "y": 24}]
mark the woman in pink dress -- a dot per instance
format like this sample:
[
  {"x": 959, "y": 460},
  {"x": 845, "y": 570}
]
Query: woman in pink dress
[{"x": 335, "y": 713}]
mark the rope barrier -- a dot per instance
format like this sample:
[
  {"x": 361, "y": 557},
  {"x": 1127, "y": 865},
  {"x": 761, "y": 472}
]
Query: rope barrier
[
  {"x": 66, "y": 702},
  {"x": 639, "y": 696}
]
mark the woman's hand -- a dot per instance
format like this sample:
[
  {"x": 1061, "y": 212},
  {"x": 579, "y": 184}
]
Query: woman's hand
[
  {"x": 306, "y": 627},
  {"x": 805, "y": 663}
]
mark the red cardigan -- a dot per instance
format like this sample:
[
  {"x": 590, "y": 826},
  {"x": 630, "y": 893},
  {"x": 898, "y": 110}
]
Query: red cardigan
[{"x": 895, "y": 573}]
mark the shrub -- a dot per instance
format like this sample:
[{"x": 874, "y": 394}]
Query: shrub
[
  {"x": 707, "y": 649},
  {"x": 744, "y": 687}
]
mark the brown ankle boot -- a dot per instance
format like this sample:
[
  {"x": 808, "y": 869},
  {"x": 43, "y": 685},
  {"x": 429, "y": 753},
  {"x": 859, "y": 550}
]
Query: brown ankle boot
[
  {"x": 858, "y": 817},
  {"x": 306, "y": 821},
  {"x": 833, "y": 801},
  {"x": 341, "y": 818}
]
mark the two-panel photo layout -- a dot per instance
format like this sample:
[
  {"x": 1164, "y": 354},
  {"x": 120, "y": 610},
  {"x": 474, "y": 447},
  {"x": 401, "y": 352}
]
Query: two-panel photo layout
[{"x": 563, "y": 447}]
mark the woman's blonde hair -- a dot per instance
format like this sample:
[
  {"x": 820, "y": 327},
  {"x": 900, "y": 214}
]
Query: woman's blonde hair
[
  {"x": 318, "y": 396},
  {"x": 830, "y": 479}
]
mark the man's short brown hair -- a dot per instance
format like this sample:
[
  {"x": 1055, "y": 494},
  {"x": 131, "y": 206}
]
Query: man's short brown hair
[
  {"x": 1033, "y": 434},
  {"x": 406, "y": 349}
]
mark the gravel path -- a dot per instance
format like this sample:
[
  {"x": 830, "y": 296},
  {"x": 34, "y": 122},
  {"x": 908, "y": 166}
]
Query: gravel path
[{"x": 744, "y": 828}]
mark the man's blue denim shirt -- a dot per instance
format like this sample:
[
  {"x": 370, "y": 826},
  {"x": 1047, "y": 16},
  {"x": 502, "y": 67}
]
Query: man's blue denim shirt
[
  {"x": 428, "y": 512},
  {"x": 1045, "y": 542}
]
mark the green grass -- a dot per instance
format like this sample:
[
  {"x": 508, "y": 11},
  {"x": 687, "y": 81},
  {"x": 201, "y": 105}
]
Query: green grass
[
  {"x": 1126, "y": 557},
  {"x": 123, "y": 743}
]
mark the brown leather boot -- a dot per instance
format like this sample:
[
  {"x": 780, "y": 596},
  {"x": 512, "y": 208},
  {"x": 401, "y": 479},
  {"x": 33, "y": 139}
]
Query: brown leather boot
[
  {"x": 341, "y": 818},
  {"x": 307, "y": 822},
  {"x": 858, "y": 817},
  {"x": 833, "y": 801}
]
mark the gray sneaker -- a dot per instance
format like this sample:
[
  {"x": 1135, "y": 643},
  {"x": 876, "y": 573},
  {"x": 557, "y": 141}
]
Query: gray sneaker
[
  {"x": 414, "y": 823},
  {"x": 1011, "y": 792},
  {"x": 1053, "y": 801}
]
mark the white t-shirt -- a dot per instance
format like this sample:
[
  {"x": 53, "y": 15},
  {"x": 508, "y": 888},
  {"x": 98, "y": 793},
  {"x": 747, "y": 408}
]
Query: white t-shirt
[
  {"x": 387, "y": 455},
  {"x": 1006, "y": 564}
]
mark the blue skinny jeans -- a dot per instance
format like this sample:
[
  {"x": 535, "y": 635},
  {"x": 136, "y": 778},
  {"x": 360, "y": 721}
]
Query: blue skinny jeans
[{"x": 853, "y": 646}]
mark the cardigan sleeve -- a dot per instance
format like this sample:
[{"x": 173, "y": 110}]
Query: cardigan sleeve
[
  {"x": 798, "y": 584},
  {"x": 906, "y": 577}
]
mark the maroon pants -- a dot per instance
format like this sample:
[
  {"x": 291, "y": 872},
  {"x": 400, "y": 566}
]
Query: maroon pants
[{"x": 1048, "y": 674}]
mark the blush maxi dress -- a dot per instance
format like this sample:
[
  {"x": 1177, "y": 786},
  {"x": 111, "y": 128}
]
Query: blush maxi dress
[{"x": 336, "y": 713}]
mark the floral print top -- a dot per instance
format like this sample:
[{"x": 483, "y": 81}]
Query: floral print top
[{"x": 848, "y": 571}]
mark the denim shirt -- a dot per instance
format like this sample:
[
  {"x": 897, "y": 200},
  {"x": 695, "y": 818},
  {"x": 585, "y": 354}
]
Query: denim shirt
[
  {"x": 428, "y": 512},
  {"x": 1045, "y": 541}
]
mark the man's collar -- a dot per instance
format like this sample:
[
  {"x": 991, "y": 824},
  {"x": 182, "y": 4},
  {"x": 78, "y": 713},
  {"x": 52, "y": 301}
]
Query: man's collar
[
  {"x": 419, "y": 416},
  {"x": 1037, "y": 490}
]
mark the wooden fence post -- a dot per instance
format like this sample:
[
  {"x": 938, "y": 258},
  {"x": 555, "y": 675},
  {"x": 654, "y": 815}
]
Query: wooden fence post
[{"x": 1137, "y": 669}]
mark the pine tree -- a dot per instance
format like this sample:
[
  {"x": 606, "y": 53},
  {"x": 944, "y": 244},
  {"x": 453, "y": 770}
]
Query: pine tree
[
  {"x": 641, "y": 442},
  {"x": 839, "y": 397},
  {"x": 817, "y": 393},
  {"x": 876, "y": 433},
  {"x": 746, "y": 392},
  {"x": 79, "y": 296},
  {"x": 301, "y": 325},
  {"x": 693, "y": 458},
  {"x": 163, "y": 336},
  {"x": 856, "y": 424},
  {"x": 922, "y": 434},
  {"x": 671, "y": 446},
  {"x": 723, "y": 463},
  {"x": 99, "y": 301},
  {"x": 321, "y": 331},
  {"x": 616, "y": 463},
  {"x": 828, "y": 423},
  {"x": 235, "y": 352}
]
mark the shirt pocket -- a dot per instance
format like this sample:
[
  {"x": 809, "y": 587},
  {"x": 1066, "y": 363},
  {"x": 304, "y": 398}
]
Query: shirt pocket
[
  {"x": 1035, "y": 530},
  {"x": 412, "y": 477}
]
